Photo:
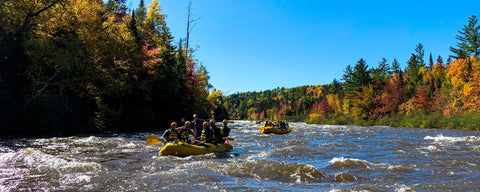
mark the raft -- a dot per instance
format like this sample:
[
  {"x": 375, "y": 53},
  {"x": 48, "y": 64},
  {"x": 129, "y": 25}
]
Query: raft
[
  {"x": 182, "y": 149},
  {"x": 267, "y": 130}
]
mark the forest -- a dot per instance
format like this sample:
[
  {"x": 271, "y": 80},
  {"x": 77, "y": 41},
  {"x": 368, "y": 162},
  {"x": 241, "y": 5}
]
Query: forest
[
  {"x": 84, "y": 66},
  {"x": 81, "y": 66},
  {"x": 426, "y": 94}
]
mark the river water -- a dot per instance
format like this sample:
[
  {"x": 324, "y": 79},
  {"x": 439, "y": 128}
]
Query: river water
[{"x": 311, "y": 158}]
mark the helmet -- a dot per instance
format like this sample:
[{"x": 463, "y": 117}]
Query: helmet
[
  {"x": 173, "y": 123},
  {"x": 205, "y": 123},
  {"x": 212, "y": 121},
  {"x": 195, "y": 115},
  {"x": 187, "y": 123},
  {"x": 225, "y": 121}
]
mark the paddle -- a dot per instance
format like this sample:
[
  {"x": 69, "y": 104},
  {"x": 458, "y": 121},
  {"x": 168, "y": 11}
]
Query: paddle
[{"x": 153, "y": 140}]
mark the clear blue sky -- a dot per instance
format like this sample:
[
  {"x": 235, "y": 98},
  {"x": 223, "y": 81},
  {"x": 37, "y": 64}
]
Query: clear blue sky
[{"x": 255, "y": 45}]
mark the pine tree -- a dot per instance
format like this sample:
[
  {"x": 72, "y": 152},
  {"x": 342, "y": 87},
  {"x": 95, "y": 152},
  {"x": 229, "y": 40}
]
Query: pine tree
[
  {"x": 396, "y": 67},
  {"x": 141, "y": 13},
  {"x": 440, "y": 59},
  {"x": 420, "y": 53},
  {"x": 133, "y": 28},
  {"x": 113, "y": 5},
  {"x": 357, "y": 79},
  {"x": 430, "y": 60},
  {"x": 469, "y": 40},
  {"x": 381, "y": 71}
]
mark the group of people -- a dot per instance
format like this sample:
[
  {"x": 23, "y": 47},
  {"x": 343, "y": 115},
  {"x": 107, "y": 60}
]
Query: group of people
[
  {"x": 279, "y": 124},
  {"x": 202, "y": 132}
]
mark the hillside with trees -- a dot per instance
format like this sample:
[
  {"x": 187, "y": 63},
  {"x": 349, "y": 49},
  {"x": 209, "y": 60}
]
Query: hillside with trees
[
  {"x": 436, "y": 94},
  {"x": 78, "y": 66}
]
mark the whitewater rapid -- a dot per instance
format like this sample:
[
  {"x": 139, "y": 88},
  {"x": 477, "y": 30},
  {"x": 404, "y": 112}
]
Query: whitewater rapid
[{"x": 311, "y": 158}]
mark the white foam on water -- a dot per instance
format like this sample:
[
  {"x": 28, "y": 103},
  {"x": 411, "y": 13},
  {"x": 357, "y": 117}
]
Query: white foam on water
[
  {"x": 129, "y": 145},
  {"x": 341, "y": 190},
  {"x": 432, "y": 148},
  {"x": 36, "y": 159},
  {"x": 340, "y": 162},
  {"x": 263, "y": 154},
  {"x": 344, "y": 160},
  {"x": 441, "y": 138},
  {"x": 402, "y": 188},
  {"x": 75, "y": 179},
  {"x": 249, "y": 130},
  {"x": 91, "y": 139}
]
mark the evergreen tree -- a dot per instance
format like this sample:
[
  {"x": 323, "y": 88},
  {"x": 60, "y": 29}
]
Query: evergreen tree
[
  {"x": 396, "y": 67},
  {"x": 440, "y": 59},
  {"x": 469, "y": 40},
  {"x": 430, "y": 61},
  {"x": 133, "y": 28},
  {"x": 357, "y": 79},
  {"x": 141, "y": 15},
  {"x": 335, "y": 87},
  {"x": 382, "y": 71},
  {"x": 113, "y": 5},
  {"x": 420, "y": 53},
  {"x": 449, "y": 60}
]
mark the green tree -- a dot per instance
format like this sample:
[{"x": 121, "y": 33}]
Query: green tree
[
  {"x": 440, "y": 59},
  {"x": 113, "y": 5},
  {"x": 358, "y": 78},
  {"x": 469, "y": 40},
  {"x": 419, "y": 55},
  {"x": 382, "y": 71},
  {"x": 396, "y": 67}
]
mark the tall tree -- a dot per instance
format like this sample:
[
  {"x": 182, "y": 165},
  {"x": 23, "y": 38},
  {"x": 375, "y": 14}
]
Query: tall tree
[
  {"x": 382, "y": 71},
  {"x": 440, "y": 59},
  {"x": 430, "y": 61},
  {"x": 141, "y": 12},
  {"x": 419, "y": 55},
  {"x": 190, "y": 22},
  {"x": 114, "y": 5},
  {"x": 133, "y": 28},
  {"x": 358, "y": 78},
  {"x": 469, "y": 40},
  {"x": 396, "y": 67}
]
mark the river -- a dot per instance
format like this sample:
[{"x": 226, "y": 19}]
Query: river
[{"x": 311, "y": 158}]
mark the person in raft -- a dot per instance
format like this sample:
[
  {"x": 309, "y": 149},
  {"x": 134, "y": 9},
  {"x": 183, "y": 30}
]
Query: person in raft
[
  {"x": 266, "y": 124},
  {"x": 205, "y": 135},
  {"x": 216, "y": 135},
  {"x": 224, "y": 130},
  {"x": 172, "y": 134},
  {"x": 196, "y": 126},
  {"x": 186, "y": 132}
]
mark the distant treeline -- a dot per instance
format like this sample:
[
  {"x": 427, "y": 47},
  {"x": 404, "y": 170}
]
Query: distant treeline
[
  {"x": 79, "y": 66},
  {"x": 428, "y": 94}
]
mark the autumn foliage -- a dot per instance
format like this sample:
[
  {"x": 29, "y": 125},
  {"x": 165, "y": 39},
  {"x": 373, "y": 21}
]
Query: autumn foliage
[{"x": 79, "y": 66}]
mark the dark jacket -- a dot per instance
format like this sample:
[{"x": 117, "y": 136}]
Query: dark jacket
[
  {"x": 208, "y": 136},
  {"x": 225, "y": 130},
  {"x": 197, "y": 125},
  {"x": 217, "y": 136},
  {"x": 171, "y": 135},
  {"x": 184, "y": 134}
]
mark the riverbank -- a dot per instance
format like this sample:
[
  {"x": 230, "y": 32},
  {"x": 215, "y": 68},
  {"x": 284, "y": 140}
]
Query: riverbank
[{"x": 416, "y": 119}]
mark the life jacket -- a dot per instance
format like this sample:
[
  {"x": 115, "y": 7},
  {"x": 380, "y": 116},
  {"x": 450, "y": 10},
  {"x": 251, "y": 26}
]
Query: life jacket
[
  {"x": 221, "y": 131},
  {"x": 184, "y": 134},
  {"x": 173, "y": 136},
  {"x": 214, "y": 135},
  {"x": 203, "y": 137}
]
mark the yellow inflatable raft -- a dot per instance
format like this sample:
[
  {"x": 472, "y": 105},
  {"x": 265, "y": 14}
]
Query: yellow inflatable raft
[
  {"x": 182, "y": 149},
  {"x": 267, "y": 130}
]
